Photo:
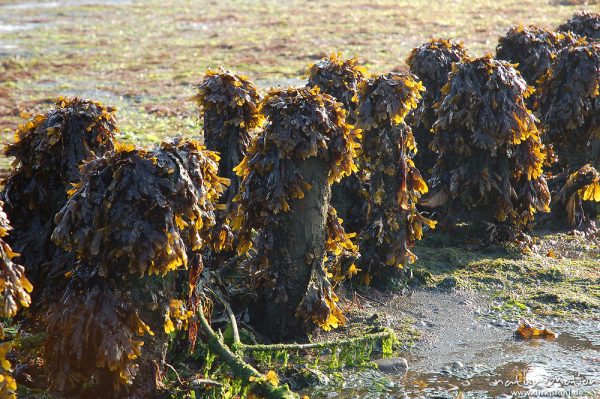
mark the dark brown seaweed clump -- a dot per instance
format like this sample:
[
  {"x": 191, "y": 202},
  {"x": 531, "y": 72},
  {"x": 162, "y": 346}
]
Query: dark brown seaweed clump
[
  {"x": 394, "y": 223},
  {"x": 132, "y": 221},
  {"x": 340, "y": 78},
  {"x": 533, "y": 49},
  {"x": 569, "y": 109},
  {"x": 228, "y": 104},
  {"x": 48, "y": 151},
  {"x": 306, "y": 146},
  {"x": 569, "y": 200},
  {"x": 431, "y": 63},
  {"x": 569, "y": 106},
  {"x": 491, "y": 155},
  {"x": 14, "y": 295},
  {"x": 583, "y": 24}
]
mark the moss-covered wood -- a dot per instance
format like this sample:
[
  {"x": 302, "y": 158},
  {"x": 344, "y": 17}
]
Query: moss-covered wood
[{"x": 241, "y": 370}]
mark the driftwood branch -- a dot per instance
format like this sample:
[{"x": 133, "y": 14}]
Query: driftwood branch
[
  {"x": 385, "y": 334},
  {"x": 240, "y": 368},
  {"x": 238, "y": 346},
  {"x": 236, "y": 334}
]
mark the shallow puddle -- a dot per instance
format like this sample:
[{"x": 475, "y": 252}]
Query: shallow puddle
[
  {"x": 8, "y": 28},
  {"x": 466, "y": 354}
]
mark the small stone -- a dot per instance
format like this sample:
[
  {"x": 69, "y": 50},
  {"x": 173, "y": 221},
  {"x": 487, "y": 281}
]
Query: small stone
[
  {"x": 441, "y": 395},
  {"x": 449, "y": 282},
  {"x": 392, "y": 365},
  {"x": 332, "y": 395},
  {"x": 457, "y": 365}
]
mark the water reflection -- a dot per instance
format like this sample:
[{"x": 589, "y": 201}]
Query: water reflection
[{"x": 479, "y": 360}]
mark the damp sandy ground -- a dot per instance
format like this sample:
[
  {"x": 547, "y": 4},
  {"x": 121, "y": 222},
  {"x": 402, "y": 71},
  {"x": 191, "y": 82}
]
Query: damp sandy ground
[{"x": 467, "y": 351}]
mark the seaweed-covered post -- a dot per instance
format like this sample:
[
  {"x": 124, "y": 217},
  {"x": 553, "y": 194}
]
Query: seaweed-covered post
[
  {"x": 569, "y": 109},
  {"x": 228, "y": 104},
  {"x": 284, "y": 196},
  {"x": 583, "y": 24},
  {"x": 340, "y": 79},
  {"x": 569, "y": 106},
  {"x": 14, "y": 295},
  {"x": 131, "y": 221},
  {"x": 491, "y": 156},
  {"x": 394, "y": 224},
  {"x": 532, "y": 50},
  {"x": 48, "y": 151},
  {"x": 431, "y": 63}
]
